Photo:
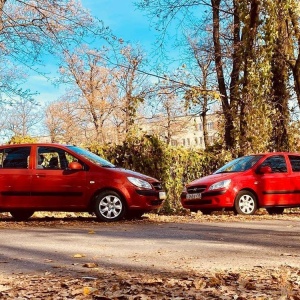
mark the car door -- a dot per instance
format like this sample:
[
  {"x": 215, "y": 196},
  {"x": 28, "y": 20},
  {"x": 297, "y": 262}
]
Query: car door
[
  {"x": 275, "y": 188},
  {"x": 15, "y": 177},
  {"x": 295, "y": 178},
  {"x": 54, "y": 186}
]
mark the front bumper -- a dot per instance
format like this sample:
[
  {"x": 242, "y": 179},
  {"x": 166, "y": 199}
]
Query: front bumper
[
  {"x": 150, "y": 199},
  {"x": 213, "y": 200}
]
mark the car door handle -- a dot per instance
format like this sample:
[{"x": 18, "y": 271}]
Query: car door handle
[{"x": 40, "y": 175}]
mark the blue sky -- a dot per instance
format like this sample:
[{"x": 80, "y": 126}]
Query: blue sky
[{"x": 124, "y": 20}]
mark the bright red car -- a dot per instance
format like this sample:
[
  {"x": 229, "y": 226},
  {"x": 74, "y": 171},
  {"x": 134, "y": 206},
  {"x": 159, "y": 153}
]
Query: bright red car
[
  {"x": 271, "y": 181},
  {"x": 54, "y": 177}
]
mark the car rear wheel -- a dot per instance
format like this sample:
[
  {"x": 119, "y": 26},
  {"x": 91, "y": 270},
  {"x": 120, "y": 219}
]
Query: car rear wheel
[
  {"x": 21, "y": 215},
  {"x": 245, "y": 203},
  {"x": 275, "y": 210},
  {"x": 109, "y": 206}
]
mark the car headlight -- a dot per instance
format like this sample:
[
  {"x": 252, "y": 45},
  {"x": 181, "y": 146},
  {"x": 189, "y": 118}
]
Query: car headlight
[
  {"x": 220, "y": 185},
  {"x": 140, "y": 183}
]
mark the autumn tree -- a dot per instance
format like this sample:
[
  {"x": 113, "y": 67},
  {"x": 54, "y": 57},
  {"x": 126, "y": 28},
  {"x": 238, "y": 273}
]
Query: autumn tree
[
  {"x": 20, "y": 118},
  {"x": 66, "y": 122},
  {"x": 168, "y": 116},
  {"x": 166, "y": 12},
  {"x": 254, "y": 45},
  {"x": 95, "y": 84},
  {"x": 132, "y": 84},
  {"x": 30, "y": 28},
  {"x": 293, "y": 55},
  {"x": 200, "y": 98}
]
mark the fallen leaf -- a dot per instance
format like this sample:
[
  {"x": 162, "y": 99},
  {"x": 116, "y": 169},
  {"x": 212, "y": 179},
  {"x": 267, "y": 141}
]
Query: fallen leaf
[
  {"x": 88, "y": 290},
  {"x": 90, "y": 265},
  {"x": 78, "y": 255}
]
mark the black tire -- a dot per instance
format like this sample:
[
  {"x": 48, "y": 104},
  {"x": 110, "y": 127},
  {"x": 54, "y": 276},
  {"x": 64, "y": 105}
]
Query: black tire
[
  {"x": 109, "y": 206},
  {"x": 134, "y": 214},
  {"x": 206, "y": 211},
  {"x": 245, "y": 203},
  {"x": 21, "y": 215},
  {"x": 275, "y": 210}
]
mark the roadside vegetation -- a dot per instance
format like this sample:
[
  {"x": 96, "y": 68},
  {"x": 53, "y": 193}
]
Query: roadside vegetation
[{"x": 239, "y": 60}]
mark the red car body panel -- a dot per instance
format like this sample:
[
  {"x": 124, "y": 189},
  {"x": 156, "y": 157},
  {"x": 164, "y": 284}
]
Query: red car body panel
[
  {"x": 276, "y": 189},
  {"x": 70, "y": 190}
]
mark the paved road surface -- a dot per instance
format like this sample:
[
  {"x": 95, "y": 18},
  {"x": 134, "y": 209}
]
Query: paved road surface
[{"x": 149, "y": 245}]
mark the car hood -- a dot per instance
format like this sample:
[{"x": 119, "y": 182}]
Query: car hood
[
  {"x": 210, "y": 179},
  {"x": 127, "y": 172}
]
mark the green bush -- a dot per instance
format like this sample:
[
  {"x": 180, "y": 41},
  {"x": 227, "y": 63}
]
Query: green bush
[
  {"x": 174, "y": 166},
  {"x": 18, "y": 139}
]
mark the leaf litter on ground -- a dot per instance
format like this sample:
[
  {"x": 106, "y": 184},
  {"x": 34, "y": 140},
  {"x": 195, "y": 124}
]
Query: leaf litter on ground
[{"x": 259, "y": 283}]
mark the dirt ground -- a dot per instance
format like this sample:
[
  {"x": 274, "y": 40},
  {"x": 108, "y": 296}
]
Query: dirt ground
[{"x": 96, "y": 282}]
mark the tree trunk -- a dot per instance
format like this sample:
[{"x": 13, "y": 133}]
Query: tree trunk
[
  {"x": 229, "y": 127},
  {"x": 280, "y": 89},
  {"x": 249, "y": 57},
  {"x": 295, "y": 64}
]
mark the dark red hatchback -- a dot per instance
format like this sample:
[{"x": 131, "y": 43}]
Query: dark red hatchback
[
  {"x": 270, "y": 181},
  {"x": 54, "y": 177}
]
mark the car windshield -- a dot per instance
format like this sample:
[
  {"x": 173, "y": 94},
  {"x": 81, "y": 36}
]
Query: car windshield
[
  {"x": 240, "y": 164},
  {"x": 92, "y": 157}
]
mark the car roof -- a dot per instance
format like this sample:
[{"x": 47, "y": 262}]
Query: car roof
[
  {"x": 33, "y": 144},
  {"x": 275, "y": 153}
]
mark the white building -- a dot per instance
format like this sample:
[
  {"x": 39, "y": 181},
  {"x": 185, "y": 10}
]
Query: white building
[{"x": 184, "y": 131}]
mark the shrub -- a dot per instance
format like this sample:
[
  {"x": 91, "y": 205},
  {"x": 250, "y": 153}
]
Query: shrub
[{"x": 174, "y": 166}]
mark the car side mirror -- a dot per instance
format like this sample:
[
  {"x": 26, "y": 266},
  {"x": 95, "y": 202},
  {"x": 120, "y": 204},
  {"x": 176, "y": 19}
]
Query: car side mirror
[
  {"x": 265, "y": 170},
  {"x": 74, "y": 165}
]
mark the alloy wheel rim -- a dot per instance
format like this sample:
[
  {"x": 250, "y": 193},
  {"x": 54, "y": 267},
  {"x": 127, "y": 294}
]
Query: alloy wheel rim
[
  {"x": 110, "y": 207},
  {"x": 247, "y": 204}
]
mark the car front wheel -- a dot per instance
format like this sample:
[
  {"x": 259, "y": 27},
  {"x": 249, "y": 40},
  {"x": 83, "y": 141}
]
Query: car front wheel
[
  {"x": 245, "y": 203},
  {"x": 206, "y": 211},
  {"x": 21, "y": 215},
  {"x": 109, "y": 206}
]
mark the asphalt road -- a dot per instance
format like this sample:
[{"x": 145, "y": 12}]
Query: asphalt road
[{"x": 148, "y": 246}]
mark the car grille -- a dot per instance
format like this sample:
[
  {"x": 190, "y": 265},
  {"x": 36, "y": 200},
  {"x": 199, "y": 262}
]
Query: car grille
[
  {"x": 196, "y": 189},
  {"x": 157, "y": 186}
]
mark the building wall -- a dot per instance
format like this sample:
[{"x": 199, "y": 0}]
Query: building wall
[
  {"x": 186, "y": 131},
  {"x": 193, "y": 136}
]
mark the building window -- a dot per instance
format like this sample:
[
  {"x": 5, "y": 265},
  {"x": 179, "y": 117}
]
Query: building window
[
  {"x": 200, "y": 127},
  {"x": 183, "y": 142},
  {"x": 210, "y": 125},
  {"x": 188, "y": 141},
  {"x": 196, "y": 141}
]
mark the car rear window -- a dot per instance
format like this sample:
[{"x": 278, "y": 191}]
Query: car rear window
[
  {"x": 15, "y": 158},
  {"x": 295, "y": 162}
]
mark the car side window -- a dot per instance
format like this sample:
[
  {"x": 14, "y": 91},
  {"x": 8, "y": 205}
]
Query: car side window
[
  {"x": 15, "y": 158},
  {"x": 295, "y": 162},
  {"x": 277, "y": 164},
  {"x": 52, "y": 158}
]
